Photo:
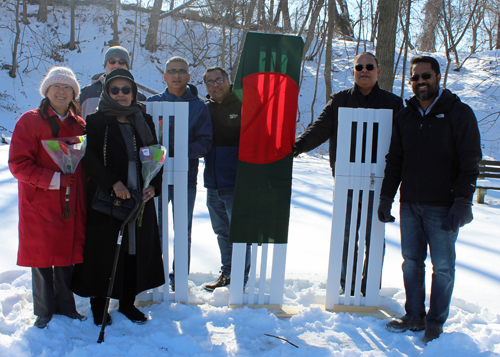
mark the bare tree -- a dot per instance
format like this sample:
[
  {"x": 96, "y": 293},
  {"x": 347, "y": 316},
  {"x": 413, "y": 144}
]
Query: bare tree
[
  {"x": 332, "y": 9},
  {"x": 432, "y": 16},
  {"x": 283, "y": 9},
  {"x": 406, "y": 45},
  {"x": 72, "y": 45},
  {"x": 246, "y": 28},
  {"x": 116, "y": 39},
  {"x": 386, "y": 41},
  {"x": 154, "y": 22},
  {"x": 25, "y": 12},
  {"x": 42, "y": 11},
  {"x": 13, "y": 70},
  {"x": 312, "y": 26}
]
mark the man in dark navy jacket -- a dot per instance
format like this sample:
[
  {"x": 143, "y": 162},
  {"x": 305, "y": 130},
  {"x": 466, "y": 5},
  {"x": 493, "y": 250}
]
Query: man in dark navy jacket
[
  {"x": 221, "y": 164},
  {"x": 434, "y": 158},
  {"x": 364, "y": 94}
]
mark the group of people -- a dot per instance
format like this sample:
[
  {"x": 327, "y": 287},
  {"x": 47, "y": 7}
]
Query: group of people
[{"x": 433, "y": 158}]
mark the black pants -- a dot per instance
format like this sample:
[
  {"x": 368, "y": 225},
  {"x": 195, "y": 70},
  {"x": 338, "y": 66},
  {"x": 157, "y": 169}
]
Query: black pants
[
  {"x": 128, "y": 293},
  {"x": 51, "y": 291}
]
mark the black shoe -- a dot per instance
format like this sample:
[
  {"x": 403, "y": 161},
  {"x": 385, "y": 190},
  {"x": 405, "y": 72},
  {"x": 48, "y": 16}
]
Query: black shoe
[
  {"x": 431, "y": 333},
  {"x": 133, "y": 314},
  {"x": 75, "y": 316},
  {"x": 98, "y": 318},
  {"x": 42, "y": 321},
  {"x": 222, "y": 281},
  {"x": 405, "y": 323}
]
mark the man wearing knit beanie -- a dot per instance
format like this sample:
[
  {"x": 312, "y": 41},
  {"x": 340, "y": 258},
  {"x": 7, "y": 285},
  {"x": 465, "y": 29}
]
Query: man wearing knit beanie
[{"x": 115, "y": 57}]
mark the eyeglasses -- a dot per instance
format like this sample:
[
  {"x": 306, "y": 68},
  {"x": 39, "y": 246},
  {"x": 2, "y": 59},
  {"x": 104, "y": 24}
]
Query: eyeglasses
[
  {"x": 121, "y": 62},
  {"x": 425, "y": 76},
  {"x": 61, "y": 88},
  {"x": 124, "y": 90},
  {"x": 218, "y": 80},
  {"x": 180, "y": 72},
  {"x": 369, "y": 67}
]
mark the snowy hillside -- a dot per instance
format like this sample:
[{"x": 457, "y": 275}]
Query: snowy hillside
[{"x": 207, "y": 327}]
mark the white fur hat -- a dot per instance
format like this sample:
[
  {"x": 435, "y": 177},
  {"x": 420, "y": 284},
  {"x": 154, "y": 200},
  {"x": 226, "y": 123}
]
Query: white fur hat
[{"x": 61, "y": 75}]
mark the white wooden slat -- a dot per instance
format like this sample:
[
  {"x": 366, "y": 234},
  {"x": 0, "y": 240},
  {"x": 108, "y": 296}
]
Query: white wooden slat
[
  {"x": 263, "y": 273},
  {"x": 278, "y": 274},
  {"x": 359, "y": 177},
  {"x": 237, "y": 270},
  {"x": 174, "y": 173}
]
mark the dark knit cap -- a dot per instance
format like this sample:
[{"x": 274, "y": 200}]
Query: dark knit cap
[
  {"x": 117, "y": 51},
  {"x": 121, "y": 73}
]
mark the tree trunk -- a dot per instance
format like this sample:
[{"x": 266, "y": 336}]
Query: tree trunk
[
  {"x": 42, "y": 11},
  {"x": 72, "y": 45},
  {"x": 154, "y": 24},
  {"x": 13, "y": 70},
  {"x": 342, "y": 19},
  {"x": 248, "y": 22},
  {"x": 386, "y": 41},
  {"x": 497, "y": 47},
  {"x": 116, "y": 39},
  {"x": 332, "y": 9},
  {"x": 312, "y": 27},
  {"x": 306, "y": 19},
  {"x": 427, "y": 40},
  {"x": 405, "y": 57},
  {"x": 25, "y": 12}
]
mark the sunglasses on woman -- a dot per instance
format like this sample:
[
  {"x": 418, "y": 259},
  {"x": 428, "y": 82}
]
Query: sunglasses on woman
[
  {"x": 121, "y": 62},
  {"x": 425, "y": 76},
  {"x": 124, "y": 90},
  {"x": 369, "y": 67}
]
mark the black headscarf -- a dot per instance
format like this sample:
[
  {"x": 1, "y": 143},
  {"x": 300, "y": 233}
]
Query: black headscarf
[{"x": 134, "y": 112}]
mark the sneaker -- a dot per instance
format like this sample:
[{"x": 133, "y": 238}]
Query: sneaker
[
  {"x": 222, "y": 281},
  {"x": 405, "y": 323},
  {"x": 133, "y": 314},
  {"x": 431, "y": 333},
  {"x": 42, "y": 321}
]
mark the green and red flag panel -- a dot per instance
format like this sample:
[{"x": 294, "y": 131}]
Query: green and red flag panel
[{"x": 267, "y": 81}]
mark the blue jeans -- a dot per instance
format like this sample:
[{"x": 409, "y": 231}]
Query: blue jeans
[
  {"x": 220, "y": 206},
  {"x": 421, "y": 226},
  {"x": 191, "y": 198}
]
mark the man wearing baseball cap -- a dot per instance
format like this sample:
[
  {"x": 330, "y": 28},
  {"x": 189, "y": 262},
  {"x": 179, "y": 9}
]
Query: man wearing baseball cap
[{"x": 115, "y": 57}]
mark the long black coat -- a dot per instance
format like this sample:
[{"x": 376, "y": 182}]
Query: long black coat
[{"x": 92, "y": 277}]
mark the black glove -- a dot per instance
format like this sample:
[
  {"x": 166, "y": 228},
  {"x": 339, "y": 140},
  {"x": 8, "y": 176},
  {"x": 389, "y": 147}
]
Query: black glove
[
  {"x": 460, "y": 214},
  {"x": 296, "y": 151},
  {"x": 384, "y": 210}
]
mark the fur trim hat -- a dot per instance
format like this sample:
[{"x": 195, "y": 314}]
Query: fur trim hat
[
  {"x": 61, "y": 75},
  {"x": 117, "y": 51}
]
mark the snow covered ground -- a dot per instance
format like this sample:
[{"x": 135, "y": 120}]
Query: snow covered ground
[{"x": 210, "y": 328}]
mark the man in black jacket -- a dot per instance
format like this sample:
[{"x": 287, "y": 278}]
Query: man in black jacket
[
  {"x": 221, "y": 164},
  {"x": 434, "y": 155},
  {"x": 364, "y": 94}
]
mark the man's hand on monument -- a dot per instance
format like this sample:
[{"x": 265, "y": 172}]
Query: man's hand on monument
[
  {"x": 459, "y": 215},
  {"x": 384, "y": 210}
]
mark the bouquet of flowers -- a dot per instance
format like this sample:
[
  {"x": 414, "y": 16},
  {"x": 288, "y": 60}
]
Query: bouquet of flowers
[
  {"x": 152, "y": 159},
  {"x": 66, "y": 153}
]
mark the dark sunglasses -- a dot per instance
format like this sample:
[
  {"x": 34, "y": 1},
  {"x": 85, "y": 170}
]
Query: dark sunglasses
[
  {"x": 116, "y": 90},
  {"x": 120, "y": 62},
  {"x": 369, "y": 67},
  {"x": 218, "y": 80},
  {"x": 425, "y": 76},
  {"x": 180, "y": 72}
]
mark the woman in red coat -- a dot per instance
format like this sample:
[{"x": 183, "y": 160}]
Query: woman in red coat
[{"x": 47, "y": 243}]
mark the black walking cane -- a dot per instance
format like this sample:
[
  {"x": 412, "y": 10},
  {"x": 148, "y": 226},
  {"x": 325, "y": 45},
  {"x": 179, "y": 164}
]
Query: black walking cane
[{"x": 132, "y": 215}]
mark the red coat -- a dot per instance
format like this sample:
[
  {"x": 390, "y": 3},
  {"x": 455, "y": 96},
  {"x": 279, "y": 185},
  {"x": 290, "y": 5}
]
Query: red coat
[{"x": 46, "y": 240}]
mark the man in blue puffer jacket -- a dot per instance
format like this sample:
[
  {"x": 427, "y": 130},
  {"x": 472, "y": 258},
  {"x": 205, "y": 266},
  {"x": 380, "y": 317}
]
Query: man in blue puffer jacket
[
  {"x": 200, "y": 128},
  {"x": 221, "y": 164}
]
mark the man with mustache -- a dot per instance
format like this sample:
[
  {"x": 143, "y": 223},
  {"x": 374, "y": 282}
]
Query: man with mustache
[
  {"x": 434, "y": 158},
  {"x": 364, "y": 94}
]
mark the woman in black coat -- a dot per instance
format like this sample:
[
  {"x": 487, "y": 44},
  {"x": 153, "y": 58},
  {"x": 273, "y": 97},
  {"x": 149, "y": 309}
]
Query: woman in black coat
[{"x": 122, "y": 123}]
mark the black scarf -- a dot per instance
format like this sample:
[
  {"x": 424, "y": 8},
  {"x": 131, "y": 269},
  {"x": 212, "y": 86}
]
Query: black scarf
[{"x": 133, "y": 113}]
